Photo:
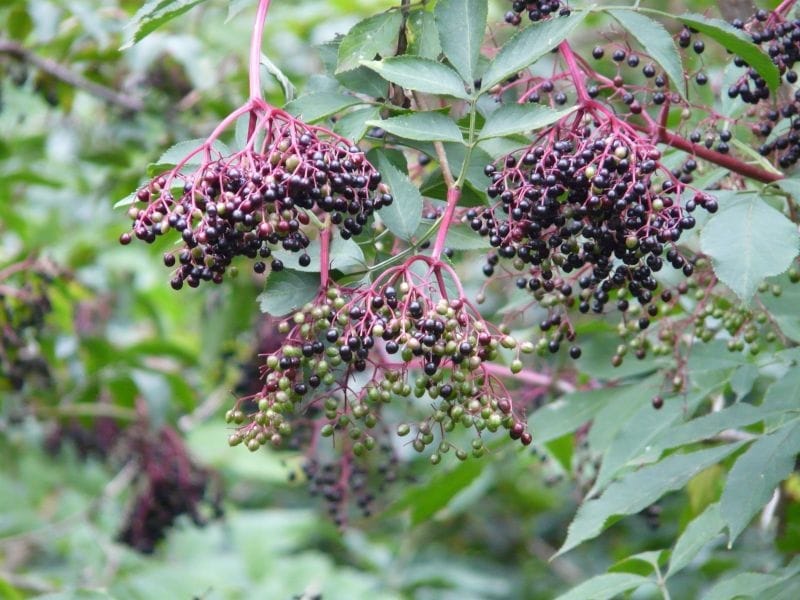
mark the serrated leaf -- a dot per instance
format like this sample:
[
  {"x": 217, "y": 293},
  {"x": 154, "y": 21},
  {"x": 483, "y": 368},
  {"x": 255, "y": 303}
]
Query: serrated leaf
[
  {"x": 153, "y": 15},
  {"x": 753, "y": 585},
  {"x": 423, "y": 126},
  {"x": 283, "y": 80},
  {"x": 317, "y": 106},
  {"x": 602, "y": 587},
  {"x": 636, "y": 435},
  {"x": 734, "y": 40},
  {"x": 528, "y": 46},
  {"x": 423, "y": 36},
  {"x": 699, "y": 532},
  {"x": 512, "y": 119},
  {"x": 747, "y": 241},
  {"x": 353, "y": 125},
  {"x": 461, "y": 25},
  {"x": 286, "y": 291},
  {"x": 176, "y": 153},
  {"x": 420, "y": 74},
  {"x": 376, "y": 35},
  {"x": 755, "y": 475},
  {"x": 658, "y": 43},
  {"x": 403, "y": 216},
  {"x": 639, "y": 490}
]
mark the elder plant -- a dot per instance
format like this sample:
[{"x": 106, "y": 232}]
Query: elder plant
[{"x": 614, "y": 179}]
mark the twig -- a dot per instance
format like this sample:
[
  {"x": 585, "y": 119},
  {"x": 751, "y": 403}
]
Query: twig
[{"x": 62, "y": 73}]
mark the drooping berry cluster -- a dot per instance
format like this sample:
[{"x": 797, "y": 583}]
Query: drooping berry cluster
[
  {"x": 537, "y": 10},
  {"x": 350, "y": 351},
  {"x": 589, "y": 203},
  {"x": 24, "y": 304},
  {"x": 257, "y": 200},
  {"x": 169, "y": 485}
]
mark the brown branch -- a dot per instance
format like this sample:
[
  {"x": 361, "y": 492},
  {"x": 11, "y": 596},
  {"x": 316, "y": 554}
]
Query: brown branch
[{"x": 62, "y": 73}]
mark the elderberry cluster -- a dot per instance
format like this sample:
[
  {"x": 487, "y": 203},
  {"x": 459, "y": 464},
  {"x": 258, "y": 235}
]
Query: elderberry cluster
[
  {"x": 251, "y": 203},
  {"x": 779, "y": 122},
  {"x": 170, "y": 485},
  {"x": 592, "y": 206},
  {"x": 351, "y": 351},
  {"x": 537, "y": 10}
]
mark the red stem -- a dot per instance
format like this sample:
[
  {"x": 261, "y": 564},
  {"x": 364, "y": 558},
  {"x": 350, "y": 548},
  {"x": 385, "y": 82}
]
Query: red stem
[
  {"x": 576, "y": 74},
  {"x": 453, "y": 196},
  {"x": 723, "y": 160},
  {"x": 255, "y": 50},
  {"x": 324, "y": 255}
]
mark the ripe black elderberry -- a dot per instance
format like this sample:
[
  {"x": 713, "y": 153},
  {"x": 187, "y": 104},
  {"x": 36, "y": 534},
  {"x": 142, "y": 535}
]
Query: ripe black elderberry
[
  {"x": 586, "y": 207},
  {"x": 537, "y": 10},
  {"x": 254, "y": 202}
]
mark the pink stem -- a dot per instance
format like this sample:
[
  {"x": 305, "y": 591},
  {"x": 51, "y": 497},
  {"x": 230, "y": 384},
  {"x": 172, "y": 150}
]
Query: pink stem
[
  {"x": 453, "y": 196},
  {"x": 324, "y": 256},
  {"x": 255, "y": 50},
  {"x": 576, "y": 74}
]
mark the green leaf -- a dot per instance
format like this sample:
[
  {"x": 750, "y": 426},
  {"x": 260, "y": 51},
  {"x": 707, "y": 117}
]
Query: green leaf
[
  {"x": 701, "y": 530},
  {"x": 376, "y": 35},
  {"x": 747, "y": 241},
  {"x": 512, "y": 119},
  {"x": 569, "y": 412},
  {"x": 461, "y": 25},
  {"x": 420, "y": 74},
  {"x": 752, "y": 585},
  {"x": 736, "y": 41},
  {"x": 153, "y": 15},
  {"x": 423, "y": 37},
  {"x": 636, "y": 435},
  {"x": 528, "y": 46},
  {"x": 602, "y": 587},
  {"x": 345, "y": 256},
  {"x": 403, "y": 216},
  {"x": 353, "y": 125},
  {"x": 423, "y": 126},
  {"x": 702, "y": 428},
  {"x": 317, "y": 106},
  {"x": 755, "y": 475},
  {"x": 658, "y": 43},
  {"x": 175, "y": 154},
  {"x": 424, "y": 501},
  {"x": 286, "y": 291},
  {"x": 790, "y": 185},
  {"x": 285, "y": 83},
  {"x": 461, "y": 237},
  {"x": 639, "y": 490}
]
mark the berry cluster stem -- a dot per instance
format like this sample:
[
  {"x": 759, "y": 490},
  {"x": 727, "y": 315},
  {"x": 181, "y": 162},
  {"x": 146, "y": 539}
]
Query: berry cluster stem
[
  {"x": 576, "y": 74},
  {"x": 453, "y": 196},
  {"x": 723, "y": 160},
  {"x": 324, "y": 254},
  {"x": 255, "y": 50}
]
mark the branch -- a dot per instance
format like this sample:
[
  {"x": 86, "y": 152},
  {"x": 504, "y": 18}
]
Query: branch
[
  {"x": 723, "y": 160},
  {"x": 62, "y": 73}
]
